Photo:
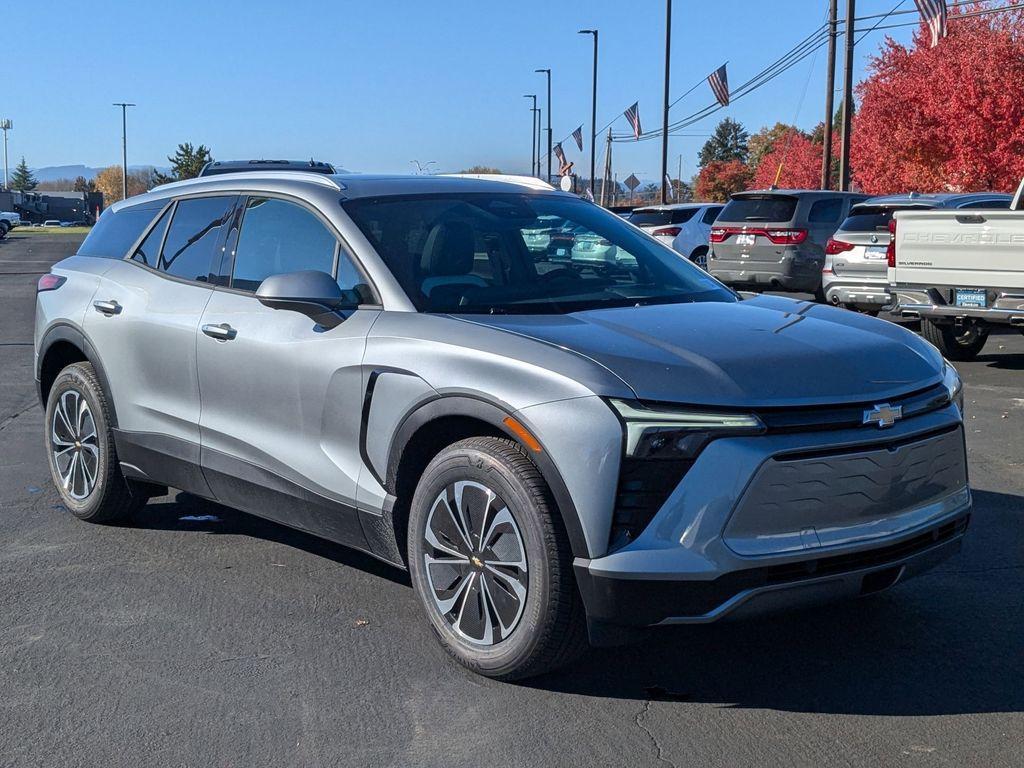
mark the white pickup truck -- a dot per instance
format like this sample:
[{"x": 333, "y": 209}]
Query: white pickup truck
[{"x": 961, "y": 272}]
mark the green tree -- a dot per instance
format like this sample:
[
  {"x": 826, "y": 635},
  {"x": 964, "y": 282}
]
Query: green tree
[
  {"x": 766, "y": 141},
  {"x": 480, "y": 169},
  {"x": 83, "y": 184},
  {"x": 728, "y": 142},
  {"x": 23, "y": 179},
  {"x": 186, "y": 163}
]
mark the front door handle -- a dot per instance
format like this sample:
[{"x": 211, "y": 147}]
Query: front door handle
[
  {"x": 222, "y": 332},
  {"x": 107, "y": 308}
]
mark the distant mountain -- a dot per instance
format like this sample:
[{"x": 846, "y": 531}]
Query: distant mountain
[{"x": 54, "y": 172}]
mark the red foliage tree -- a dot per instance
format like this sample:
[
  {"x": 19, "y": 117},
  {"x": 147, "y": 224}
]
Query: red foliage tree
[
  {"x": 945, "y": 118},
  {"x": 719, "y": 179},
  {"x": 800, "y": 159}
]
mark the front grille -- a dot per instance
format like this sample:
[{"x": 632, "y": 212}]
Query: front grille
[{"x": 644, "y": 485}]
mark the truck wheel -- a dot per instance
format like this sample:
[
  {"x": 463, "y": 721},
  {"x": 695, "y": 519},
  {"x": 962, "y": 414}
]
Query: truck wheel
[
  {"x": 80, "y": 447},
  {"x": 964, "y": 345},
  {"x": 491, "y": 563}
]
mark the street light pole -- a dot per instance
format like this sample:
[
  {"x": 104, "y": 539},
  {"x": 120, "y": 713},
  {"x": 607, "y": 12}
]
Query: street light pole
[
  {"x": 538, "y": 112},
  {"x": 844, "y": 157},
  {"x": 533, "y": 131},
  {"x": 550, "y": 139},
  {"x": 830, "y": 95},
  {"x": 593, "y": 115},
  {"x": 664, "y": 118},
  {"x": 5, "y": 126},
  {"x": 124, "y": 146}
]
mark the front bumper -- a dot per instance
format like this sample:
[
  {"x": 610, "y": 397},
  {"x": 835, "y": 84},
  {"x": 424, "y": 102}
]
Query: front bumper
[{"x": 715, "y": 550}]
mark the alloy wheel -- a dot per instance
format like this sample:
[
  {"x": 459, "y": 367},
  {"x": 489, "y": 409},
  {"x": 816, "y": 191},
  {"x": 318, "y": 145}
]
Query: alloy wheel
[
  {"x": 74, "y": 444},
  {"x": 475, "y": 562}
]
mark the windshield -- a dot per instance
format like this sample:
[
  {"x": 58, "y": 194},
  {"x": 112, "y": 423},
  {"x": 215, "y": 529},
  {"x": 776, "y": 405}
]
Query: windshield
[
  {"x": 654, "y": 217},
  {"x": 773, "y": 208},
  {"x": 478, "y": 254}
]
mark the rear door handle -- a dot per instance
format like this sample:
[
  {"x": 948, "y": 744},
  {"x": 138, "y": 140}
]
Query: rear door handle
[
  {"x": 107, "y": 308},
  {"x": 222, "y": 332}
]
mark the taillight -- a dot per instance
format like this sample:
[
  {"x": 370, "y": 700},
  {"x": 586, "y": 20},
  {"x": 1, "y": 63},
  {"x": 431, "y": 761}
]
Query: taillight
[
  {"x": 890, "y": 251},
  {"x": 833, "y": 246},
  {"x": 786, "y": 236},
  {"x": 719, "y": 234},
  {"x": 50, "y": 282},
  {"x": 667, "y": 231}
]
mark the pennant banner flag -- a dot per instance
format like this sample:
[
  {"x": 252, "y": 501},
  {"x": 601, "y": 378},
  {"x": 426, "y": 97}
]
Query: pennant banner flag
[
  {"x": 719, "y": 82},
  {"x": 933, "y": 13},
  {"x": 633, "y": 116},
  {"x": 578, "y": 136}
]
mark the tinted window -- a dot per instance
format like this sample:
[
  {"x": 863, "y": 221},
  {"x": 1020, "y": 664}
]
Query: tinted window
[
  {"x": 193, "y": 236},
  {"x": 474, "y": 254},
  {"x": 148, "y": 252},
  {"x": 774, "y": 208},
  {"x": 994, "y": 205},
  {"x": 826, "y": 211},
  {"x": 711, "y": 214},
  {"x": 657, "y": 218},
  {"x": 116, "y": 232},
  {"x": 278, "y": 237},
  {"x": 874, "y": 218}
]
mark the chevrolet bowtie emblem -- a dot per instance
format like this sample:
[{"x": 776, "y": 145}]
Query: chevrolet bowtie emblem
[{"x": 883, "y": 415}]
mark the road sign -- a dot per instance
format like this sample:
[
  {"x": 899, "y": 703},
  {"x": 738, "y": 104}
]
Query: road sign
[{"x": 632, "y": 182}]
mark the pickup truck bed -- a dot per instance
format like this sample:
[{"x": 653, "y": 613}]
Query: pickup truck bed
[{"x": 961, "y": 272}]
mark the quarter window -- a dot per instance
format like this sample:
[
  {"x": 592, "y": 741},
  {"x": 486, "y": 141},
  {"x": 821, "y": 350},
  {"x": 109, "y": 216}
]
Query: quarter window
[
  {"x": 711, "y": 214},
  {"x": 826, "y": 211},
  {"x": 193, "y": 236},
  {"x": 277, "y": 237}
]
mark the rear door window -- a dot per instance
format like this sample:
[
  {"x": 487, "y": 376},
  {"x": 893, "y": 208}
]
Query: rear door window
[
  {"x": 772, "y": 208},
  {"x": 826, "y": 211},
  {"x": 117, "y": 231},
  {"x": 148, "y": 252},
  {"x": 193, "y": 236}
]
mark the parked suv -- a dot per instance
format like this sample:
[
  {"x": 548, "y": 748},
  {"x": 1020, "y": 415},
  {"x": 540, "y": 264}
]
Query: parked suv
[
  {"x": 550, "y": 447},
  {"x": 856, "y": 256},
  {"x": 776, "y": 239},
  {"x": 685, "y": 227}
]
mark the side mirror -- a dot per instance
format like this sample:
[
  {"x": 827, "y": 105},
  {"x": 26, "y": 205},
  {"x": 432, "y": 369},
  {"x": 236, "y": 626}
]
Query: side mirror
[{"x": 311, "y": 292}]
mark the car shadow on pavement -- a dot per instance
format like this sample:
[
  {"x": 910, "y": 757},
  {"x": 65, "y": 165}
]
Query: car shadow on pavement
[
  {"x": 190, "y": 513},
  {"x": 948, "y": 642}
]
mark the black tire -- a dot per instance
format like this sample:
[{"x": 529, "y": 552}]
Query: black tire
[
  {"x": 111, "y": 498},
  {"x": 4, "y": 229},
  {"x": 700, "y": 258},
  {"x": 955, "y": 346},
  {"x": 549, "y": 629}
]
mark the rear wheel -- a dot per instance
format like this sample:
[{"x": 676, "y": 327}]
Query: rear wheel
[
  {"x": 491, "y": 563},
  {"x": 80, "y": 447},
  {"x": 700, "y": 258},
  {"x": 955, "y": 343}
]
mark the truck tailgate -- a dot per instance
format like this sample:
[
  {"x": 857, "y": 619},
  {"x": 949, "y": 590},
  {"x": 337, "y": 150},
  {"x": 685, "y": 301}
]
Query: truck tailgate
[{"x": 970, "y": 248}]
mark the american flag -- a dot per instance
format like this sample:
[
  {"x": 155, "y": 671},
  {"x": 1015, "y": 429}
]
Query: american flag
[
  {"x": 933, "y": 13},
  {"x": 633, "y": 116},
  {"x": 559, "y": 153},
  {"x": 719, "y": 82},
  {"x": 578, "y": 136}
]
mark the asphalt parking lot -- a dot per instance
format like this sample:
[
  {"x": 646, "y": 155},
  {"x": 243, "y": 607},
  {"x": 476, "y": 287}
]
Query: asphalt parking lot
[{"x": 203, "y": 636}]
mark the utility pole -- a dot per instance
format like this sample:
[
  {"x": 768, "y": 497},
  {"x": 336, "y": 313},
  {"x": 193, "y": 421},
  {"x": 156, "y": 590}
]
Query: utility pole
[
  {"x": 830, "y": 96},
  {"x": 539, "y": 113},
  {"x": 550, "y": 138},
  {"x": 124, "y": 146},
  {"x": 664, "y": 117},
  {"x": 679, "y": 178},
  {"x": 607, "y": 177},
  {"x": 5, "y": 126},
  {"x": 844, "y": 158},
  {"x": 593, "y": 115},
  {"x": 533, "y": 131}
]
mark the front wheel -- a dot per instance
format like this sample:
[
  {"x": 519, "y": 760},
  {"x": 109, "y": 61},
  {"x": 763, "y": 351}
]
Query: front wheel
[
  {"x": 80, "y": 447},
  {"x": 955, "y": 343},
  {"x": 491, "y": 562}
]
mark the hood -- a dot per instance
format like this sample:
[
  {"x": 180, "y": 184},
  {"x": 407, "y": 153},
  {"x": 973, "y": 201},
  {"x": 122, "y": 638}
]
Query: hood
[{"x": 763, "y": 352}]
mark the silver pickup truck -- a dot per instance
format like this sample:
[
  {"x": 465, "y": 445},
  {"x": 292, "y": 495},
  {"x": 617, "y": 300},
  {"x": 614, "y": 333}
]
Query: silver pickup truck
[{"x": 960, "y": 271}]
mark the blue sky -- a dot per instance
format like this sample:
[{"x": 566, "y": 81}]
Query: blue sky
[{"x": 371, "y": 86}]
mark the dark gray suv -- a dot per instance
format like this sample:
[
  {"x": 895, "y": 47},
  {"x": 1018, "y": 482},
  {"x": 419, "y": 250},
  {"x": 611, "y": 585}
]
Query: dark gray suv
[
  {"x": 551, "y": 446},
  {"x": 775, "y": 239}
]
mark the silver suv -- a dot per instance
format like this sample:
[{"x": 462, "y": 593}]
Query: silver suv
[{"x": 551, "y": 447}]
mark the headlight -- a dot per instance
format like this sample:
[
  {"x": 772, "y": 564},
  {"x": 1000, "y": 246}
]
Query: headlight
[
  {"x": 954, "y": 385},
  {"x": 661, "y": 433}
]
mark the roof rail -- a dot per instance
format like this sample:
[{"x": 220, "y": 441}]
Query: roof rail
[
  {"x": 315, "y": 178},
  {"x": 524, "y": 181}
]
